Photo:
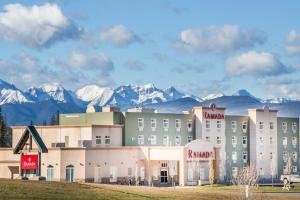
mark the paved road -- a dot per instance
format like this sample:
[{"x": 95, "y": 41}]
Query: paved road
[{"x": 293, "y": 194}]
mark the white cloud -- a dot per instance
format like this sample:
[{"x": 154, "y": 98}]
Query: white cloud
[
  {"x": 293, "y": 42},
  {"x": 216, "y": 39},
  {"x": 118, "y": 35},
  {"x": 79, "y": 69},
  {"x": 256, "y": 64},
  {"x": 134, "y": 65},
  {"x": 99, "y": 63},
  {"x": 36, "y": 26},
  {"x": 283, "y": 87}
]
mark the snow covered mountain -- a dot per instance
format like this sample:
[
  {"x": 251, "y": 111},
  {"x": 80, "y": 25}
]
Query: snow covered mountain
[
  {"x": 213, "y": 96},
  {"x": 53, "y": 91},
  {"x": 10, "y": 94},
  {"x": 38, "y": 104}
]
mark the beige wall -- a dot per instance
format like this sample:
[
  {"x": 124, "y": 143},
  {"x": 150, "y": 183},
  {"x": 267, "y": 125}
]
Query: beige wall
[{"x": 8, "y": 163}]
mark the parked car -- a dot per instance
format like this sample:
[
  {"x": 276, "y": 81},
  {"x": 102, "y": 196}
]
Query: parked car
[{"x": 293, "y": 178}]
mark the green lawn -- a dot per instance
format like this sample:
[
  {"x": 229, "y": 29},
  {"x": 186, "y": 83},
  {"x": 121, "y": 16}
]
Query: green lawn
[{"x": 53, "y": 190}]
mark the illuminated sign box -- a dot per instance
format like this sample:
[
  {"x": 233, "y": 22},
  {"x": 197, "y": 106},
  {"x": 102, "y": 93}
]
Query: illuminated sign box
[{"x": 29, "y": 161}]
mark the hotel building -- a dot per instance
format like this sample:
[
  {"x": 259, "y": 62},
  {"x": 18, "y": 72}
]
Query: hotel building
[{"x": 142, "y": 146}]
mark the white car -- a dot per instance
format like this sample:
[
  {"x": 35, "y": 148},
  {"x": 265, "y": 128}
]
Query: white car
[{"x": 295, "y": 178}]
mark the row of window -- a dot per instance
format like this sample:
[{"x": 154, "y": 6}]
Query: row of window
[
  {"x": 234, "y": 141},
  {"x": 283, "y": 125},
  {"x": 166, "y": 142},
  {"x": 285, "y": 142},
  {"x": 261, "y": 171},
  {"x": 233, "y": 125},
  {"x": 244, "y": 156},
  {"x": 100, "y": 141},
  {"x": 165, "y": 123},
  {"x": 285, "y": 156}
]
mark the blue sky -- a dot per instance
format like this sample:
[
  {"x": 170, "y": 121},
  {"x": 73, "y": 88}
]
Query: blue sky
[{"x": 200, "y": 47}]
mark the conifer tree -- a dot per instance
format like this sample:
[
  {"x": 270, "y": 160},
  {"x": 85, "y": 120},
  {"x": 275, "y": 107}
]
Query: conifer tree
[{"x": 3, "y": 131}]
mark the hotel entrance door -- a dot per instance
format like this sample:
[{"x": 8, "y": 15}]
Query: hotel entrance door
[{"x": 164, "y": 173}]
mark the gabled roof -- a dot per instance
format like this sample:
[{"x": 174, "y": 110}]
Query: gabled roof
[{"x": 30, "y": 130}]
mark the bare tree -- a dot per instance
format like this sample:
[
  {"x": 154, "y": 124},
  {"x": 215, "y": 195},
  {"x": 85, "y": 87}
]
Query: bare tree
[
  {"x": 247, "y": 177},
  {"x": 211, "y": 171}
]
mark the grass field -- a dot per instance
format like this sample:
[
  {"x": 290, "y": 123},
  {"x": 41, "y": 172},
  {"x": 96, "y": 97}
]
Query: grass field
[{"x": 53, "y": 190}]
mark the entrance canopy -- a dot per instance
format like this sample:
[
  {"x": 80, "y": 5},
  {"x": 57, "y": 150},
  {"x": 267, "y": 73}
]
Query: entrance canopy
[{"x": 30, "y": 132}]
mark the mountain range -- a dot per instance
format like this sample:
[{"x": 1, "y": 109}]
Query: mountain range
[{"x": 38, "y": 104}]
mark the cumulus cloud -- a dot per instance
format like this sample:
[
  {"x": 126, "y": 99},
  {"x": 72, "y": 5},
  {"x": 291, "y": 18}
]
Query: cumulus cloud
[
  {"x": 255, "y": 64},
  {"x": 293, "y": 43},
  {"x": 79, "y": 69},
  {"x": 195, "y": 68},
  {"x": 283, "y": 87},
  {"x": 36, "y": 26},
  {"x": 134, "y": 65},
  {"x": 118, "y": 35},
  {"x": 216, "y": 39}
]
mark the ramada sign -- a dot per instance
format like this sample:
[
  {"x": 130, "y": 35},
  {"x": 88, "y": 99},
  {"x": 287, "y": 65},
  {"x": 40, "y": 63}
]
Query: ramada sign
[
  {"x": 208, "y": 115},
  {"x": 204, "y": 155},
  {"x": 29, "y": 161}
]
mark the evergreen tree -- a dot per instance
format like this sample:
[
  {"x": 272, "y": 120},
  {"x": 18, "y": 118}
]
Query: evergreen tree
[
  {"x": 3, "y": 131},
  {"x": 55, "y": 119}
]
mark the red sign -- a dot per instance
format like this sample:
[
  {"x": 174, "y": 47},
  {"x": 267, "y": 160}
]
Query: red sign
[
  {"x": 29, "y": 162},
  {"x": 212, "y": 106},
  {"x": 207, "y": 154},
  {"x": 213, "y": 115}
]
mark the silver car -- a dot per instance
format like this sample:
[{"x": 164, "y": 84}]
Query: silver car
[{"x": 293, "y": 178}]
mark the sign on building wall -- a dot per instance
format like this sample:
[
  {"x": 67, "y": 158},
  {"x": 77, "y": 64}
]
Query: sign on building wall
[
  {"x": 213, "y": 114},
  {"x": 200, "y": 150},
  {"x": 29, "y": 161}
]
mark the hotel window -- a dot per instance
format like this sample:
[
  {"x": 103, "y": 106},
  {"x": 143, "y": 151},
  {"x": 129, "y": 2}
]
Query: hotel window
[
  {"x": 177, "y": 124},
  {"x": 271, "y": 125},
  {"x": 244, "y": 126},
  {"x": 260, "y": 155},
  {"x": 294, "y": 169},
  {"x": 219, "y": 124},
  {"x": 177, "y": 140},
  {"x": 107, "y": 139},
  {"x": 189, "y": 139},
  {"x": 129, "y": 172},
  {"x": 271, "y": 155},
  {"x": 284, "y": 127},
  {"x": 294, "y": 127},
  {"x": 141, "y": 139},
  {"x": 98, "y": 139},
  {"x": 50, "y": 173},
  {"x": 261, "y": 171},
  {"x": 294, "y": 142},
  {"x": 234, "y": 156},
  {"x": 261, "y": 140},
  {"x": 207, "y": 138},
  {"x": 245, "y": 156},
  {"x": 207, "y": 124},
  {"x": 271, "y": 140},
  {"x": 153, "y": 124},
  {"x": 189, "y": 125},
  {"x": 166, "y": 124},
  {"x": 140, "y": 124},
  {"x": 219, "y": 140},
  {"x": 112, "y": 174},
  {"x": 233, "y": 125},
  {"x": 166, "y": 140},
  {"x": 261, "y": 125},
  {"x": 295, "y": 156},
  {"x": 284, "y": 141},
  {"x": 234, "y": 141},
  {"x": 234, "y": 172},
  {"x": 153, "y": 139},
  {"x": 244, "y": 141},
  {"x": 284, "y": 156}
]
